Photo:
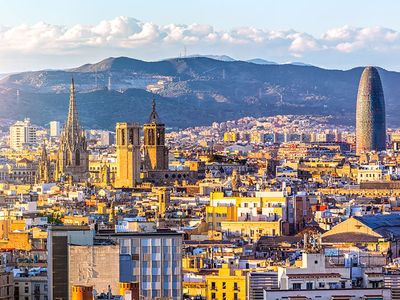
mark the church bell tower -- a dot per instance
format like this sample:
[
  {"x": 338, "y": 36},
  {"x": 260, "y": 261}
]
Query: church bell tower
[{"x": 155, "y": 151}]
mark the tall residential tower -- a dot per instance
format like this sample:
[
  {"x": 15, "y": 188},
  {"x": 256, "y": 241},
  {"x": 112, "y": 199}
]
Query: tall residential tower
[
  {"x": 22, "y": 133},
  {"x": 370, "y": 115}
]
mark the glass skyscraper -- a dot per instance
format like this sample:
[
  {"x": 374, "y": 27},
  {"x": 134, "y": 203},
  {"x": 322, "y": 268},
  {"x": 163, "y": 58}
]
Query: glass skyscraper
[{"x": 370, "y": 115}]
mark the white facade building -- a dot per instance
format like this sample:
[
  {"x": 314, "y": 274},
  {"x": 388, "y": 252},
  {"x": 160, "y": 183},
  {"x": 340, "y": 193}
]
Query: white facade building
[
  {"x": 372, "y": 172},
  {"x": 22, "y": 133},
  {"x": 55, "y": 128}
]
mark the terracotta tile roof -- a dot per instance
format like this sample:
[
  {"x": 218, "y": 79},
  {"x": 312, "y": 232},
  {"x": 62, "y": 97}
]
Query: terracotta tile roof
[{"x": 349, "y": 237}]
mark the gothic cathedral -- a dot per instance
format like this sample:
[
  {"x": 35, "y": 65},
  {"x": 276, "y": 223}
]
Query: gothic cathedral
[{"x": 72, "y": 157}]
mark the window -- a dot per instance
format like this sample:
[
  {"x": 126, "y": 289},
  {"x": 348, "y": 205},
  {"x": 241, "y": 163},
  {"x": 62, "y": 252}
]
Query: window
[
  {"x": 213, "y": 286},
  {"x": 296, "y": 286},
  {"x": 130, "y": 136},
  {"x": 235, "y": 286},
  {"x": 223, "y": 296},
  {"x": 213, "y": 296},
  {"x": 224, "y": 285},
  {"x": 123, "y": 137},
  {"x": 235, "y": 296},
  {"x": 26, "y": 289},
  {"x": 309, "y": 286},
  {"x": 321, "y": 284},
  {"x": 375, "y": 284},
  {"x": 77, "y": 158}
]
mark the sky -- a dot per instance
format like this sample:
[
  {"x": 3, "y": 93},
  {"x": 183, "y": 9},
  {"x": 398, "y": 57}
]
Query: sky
[{"x": 336, "y": 34}]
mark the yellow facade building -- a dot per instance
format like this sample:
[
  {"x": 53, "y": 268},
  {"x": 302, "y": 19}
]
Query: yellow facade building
[
  {"x": 16, "y": 240},
  {"x": 102, "y": 173},
  {"x": 192, "y": 263},
  {"x": 193, "y": 289},
  {"x": 217, "y": 214},
  {"x": 253, "y": 230},
  {"x": 128, "y": 155},
  {"x": 227, "y": 284},
  {"x": 230, "y": 137},
  {"x": 249, "y": 217}
]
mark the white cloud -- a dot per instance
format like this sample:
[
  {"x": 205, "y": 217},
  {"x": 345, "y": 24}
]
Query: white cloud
[
  {"x": 44, "y": 42},
  {"x": 302, "y": 42}
]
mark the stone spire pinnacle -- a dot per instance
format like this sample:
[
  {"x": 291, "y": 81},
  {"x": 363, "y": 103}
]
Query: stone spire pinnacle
[
  {"x": 72, "y": 120},
  {"x": 154, "y": 118},
  {"x": 44, "y": 152}
]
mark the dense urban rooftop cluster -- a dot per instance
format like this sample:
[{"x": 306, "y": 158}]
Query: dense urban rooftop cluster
[{"x": 257, "y": 208}]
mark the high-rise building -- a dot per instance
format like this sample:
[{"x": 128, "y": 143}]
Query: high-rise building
[
  {"x": 257, "y": 282},
  {"x": 107, "y": 138},
  {"x": 73, "y": 158},
  {"x": 155, "y": 150},
  {"x": 58, "y": 239},
  {"x": 55, "y": 129},
  {"x": 6, "y": 280},
  {"x": 370, "y": 115},
  {"x": 154, "y": 260},
  {"x": 22, "y": 133},
  {"x": 78, "y": 256},
  {"x": 128, "y": 154},
  {"x": 94, "y": 265}
]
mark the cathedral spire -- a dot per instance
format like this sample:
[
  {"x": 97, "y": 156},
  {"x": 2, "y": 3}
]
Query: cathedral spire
[
  {"x": 154, "y": 118},
  {"x": 72, "y": 119},
  {"x": 43, "y": 175},
  {"x": 43, "y": 154},
  {"x": 72, "y": 156}
]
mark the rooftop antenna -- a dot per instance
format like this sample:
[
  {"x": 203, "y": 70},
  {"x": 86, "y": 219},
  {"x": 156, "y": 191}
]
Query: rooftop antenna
[{"x": 109, "y": 82}]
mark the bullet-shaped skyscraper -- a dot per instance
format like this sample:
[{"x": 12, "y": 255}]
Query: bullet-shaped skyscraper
[{"x": 370, "y": 115}]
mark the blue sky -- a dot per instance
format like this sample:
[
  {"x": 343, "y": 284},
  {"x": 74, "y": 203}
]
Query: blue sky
[{"x": 333, "y": 34}]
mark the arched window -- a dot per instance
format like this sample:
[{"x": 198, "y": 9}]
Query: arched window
[
  {"x": 77, "y": 158},
  {"x": 131, "y": 142},
  {"x": 123, "y": 137}
]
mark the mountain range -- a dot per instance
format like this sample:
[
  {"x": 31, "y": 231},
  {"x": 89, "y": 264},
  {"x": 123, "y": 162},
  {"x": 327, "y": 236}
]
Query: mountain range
[{"x": 189, "y": 91}]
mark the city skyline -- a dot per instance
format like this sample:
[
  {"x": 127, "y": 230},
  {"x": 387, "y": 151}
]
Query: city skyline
[{"x": 199, "y": 150}]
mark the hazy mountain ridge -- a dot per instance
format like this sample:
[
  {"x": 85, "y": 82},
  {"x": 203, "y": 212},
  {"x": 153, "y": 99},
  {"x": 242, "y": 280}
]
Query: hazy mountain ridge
[{"x": 190, "y": 91}]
